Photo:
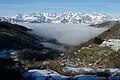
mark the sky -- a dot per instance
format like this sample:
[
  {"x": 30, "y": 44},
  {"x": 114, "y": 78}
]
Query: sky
[{"x": 11, "y": 7}]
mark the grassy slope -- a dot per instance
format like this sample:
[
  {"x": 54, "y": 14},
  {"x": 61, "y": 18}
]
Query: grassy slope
[{"x": 95, "y": 55}]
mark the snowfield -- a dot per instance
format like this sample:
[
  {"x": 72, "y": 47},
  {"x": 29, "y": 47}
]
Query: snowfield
[{"x": 52, "y": 75}]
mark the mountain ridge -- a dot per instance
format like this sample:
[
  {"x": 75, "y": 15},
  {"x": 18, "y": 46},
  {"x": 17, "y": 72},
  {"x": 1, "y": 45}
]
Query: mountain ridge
[{"x": 60, "y": 17}]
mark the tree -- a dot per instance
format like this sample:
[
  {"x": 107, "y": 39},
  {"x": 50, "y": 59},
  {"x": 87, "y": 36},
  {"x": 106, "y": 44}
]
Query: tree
[{"x": 98, "y": 40}]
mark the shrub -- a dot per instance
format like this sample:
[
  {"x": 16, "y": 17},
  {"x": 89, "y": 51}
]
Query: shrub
[{"x": 27, "y": 55}]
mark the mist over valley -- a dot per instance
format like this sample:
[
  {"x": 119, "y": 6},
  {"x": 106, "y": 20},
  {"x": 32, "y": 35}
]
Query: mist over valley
[{"x": 68, "y": 34}]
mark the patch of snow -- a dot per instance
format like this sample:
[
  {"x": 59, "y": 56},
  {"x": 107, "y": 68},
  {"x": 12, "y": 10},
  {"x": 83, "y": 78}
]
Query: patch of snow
[
  {"x": 73, "y": 69},
  {"x": 6, "y": 53},
  {"x": 88, "y": 69},
  {"x": 113, "y": 43}
]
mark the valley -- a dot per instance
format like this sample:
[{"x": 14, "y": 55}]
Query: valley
[{"x": 60, "y": 51}]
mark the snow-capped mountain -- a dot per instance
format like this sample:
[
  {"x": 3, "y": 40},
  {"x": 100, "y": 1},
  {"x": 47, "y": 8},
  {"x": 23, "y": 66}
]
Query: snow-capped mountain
[{"x": 61, "y": 17}]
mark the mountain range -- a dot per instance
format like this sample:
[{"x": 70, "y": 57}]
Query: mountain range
[{"x": 60, "y": 17}]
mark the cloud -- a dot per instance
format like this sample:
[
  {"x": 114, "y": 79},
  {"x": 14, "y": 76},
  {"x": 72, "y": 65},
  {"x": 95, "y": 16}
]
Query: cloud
[
  {"x": 54, "y": 46},
  {"x": 69, "y": 34}
]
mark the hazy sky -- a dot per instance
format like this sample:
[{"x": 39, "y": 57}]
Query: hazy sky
[{"x": 11, "y": 7}]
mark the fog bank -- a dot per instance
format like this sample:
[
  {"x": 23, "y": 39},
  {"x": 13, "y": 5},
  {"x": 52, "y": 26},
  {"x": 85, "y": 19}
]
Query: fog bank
[{"x": 69, "y": 34}]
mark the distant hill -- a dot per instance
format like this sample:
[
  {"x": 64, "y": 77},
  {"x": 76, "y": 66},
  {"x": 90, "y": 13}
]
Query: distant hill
[
  {"x": 107, "y": 24},
  {"x": 14, "y": 36},
  {"x": 111, "y": 33}
]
